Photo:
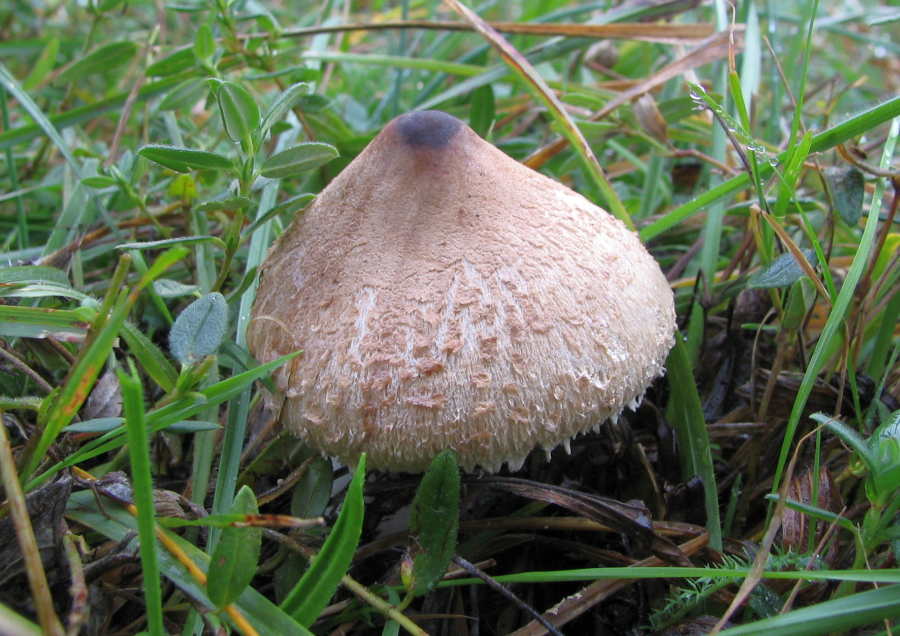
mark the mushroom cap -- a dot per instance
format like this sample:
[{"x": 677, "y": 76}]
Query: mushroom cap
[{"x": 446, "y": 296}]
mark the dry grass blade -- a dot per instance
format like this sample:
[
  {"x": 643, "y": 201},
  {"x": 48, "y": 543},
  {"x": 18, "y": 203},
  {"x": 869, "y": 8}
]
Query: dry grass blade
[
  {"x": 715, "y": 48},
  {"x": 521, "y": 67},
  {"x": 661, "y": 33},
  {"x": 798, "y": 254},
  {"x": 629, "y": 520}
]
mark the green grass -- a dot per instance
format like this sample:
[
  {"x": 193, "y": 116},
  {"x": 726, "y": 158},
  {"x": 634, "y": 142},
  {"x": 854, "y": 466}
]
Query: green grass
[{"x": 745, "y": 153}]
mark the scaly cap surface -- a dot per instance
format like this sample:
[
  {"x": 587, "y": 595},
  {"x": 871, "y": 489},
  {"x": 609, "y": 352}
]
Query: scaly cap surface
[{"x": 445, "y": 296}]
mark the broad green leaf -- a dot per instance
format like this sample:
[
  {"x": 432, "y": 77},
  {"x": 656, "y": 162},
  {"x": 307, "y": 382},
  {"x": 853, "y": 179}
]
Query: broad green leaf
[
  {"x": 313, "y": 489},
  {"x": 240, "y": 114},
  {"x": 176, "y": 63},
  {"x": 183, "y": 186},
  {"x": 185, "y": 159},
  {"x": 312, "y": 593},
  {"x": 204, "y": 44},
  {"x": 285, "y": 102},
  {"x": 188, "y": 93},
  {"x": 100, "y": 60},
  {"x": 301, "y": 158},
  {"x": 848, "y": 188},
  {"x": 783, "y": 271},
  {"x": 234, "y": 561},
  {"x": 214, "y": 84},
  {"x": 199, "y": 329},
  {"x": 313, "y": 103},
  {"x": 433, "y": 524}
]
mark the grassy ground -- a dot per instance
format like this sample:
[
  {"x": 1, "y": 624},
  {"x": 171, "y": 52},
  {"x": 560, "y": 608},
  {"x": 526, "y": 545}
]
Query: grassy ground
[{"x": 151, "y": 153}]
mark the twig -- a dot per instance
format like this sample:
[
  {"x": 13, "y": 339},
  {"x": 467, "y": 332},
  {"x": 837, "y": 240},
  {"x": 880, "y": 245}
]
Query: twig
[
  {"x": 24, "y": 368},
  {"x": 504, "y": 591}
]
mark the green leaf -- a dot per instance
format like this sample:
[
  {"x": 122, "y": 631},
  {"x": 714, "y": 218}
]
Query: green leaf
[
  {"x": 205, "y": 44},
  {"x": 851, "y": 438},
  {"x": 151, "y": 358},
  {"x": 185, "y": 159},
  {"x": 100, "y": 60},
  {"x": 33, "y": 274},
  {"x": 166, "y": 288},
  {"x": 185, "y": 427},
  {"x": 800, "y": 301},
  {"x": 183, "y": 186},
  {"x": 176, "y": 63},
  {"x": 433, "y": 524},
  {"x": 233, "y": 203},
  {"x": 117, "y": 523},
  {"x": 783, "y": 271},
  {"x": 109, "y": 5},
  {"x": 187, "y": 93},
  {"x": 234, "y": 561},
  {"x": 313, "y": 489},
  {"x": 685, "y": 413},
  {"x": 43, "y": 65},
  {"x": 142, "y": 481},
  {"x": 199, "y": 329},
  {"x": 99, "y": 181},
  {"x": 300, "y": 158},
  {"x": 848, "y": 188},
  {"x": 765, "y": 602},
  {"x": 43, "y": 290},
  {"x": 159, "y": 419},
  {"x": 240, "y": 114},
  {"x": 792, "y": 173},
  {"x": 285, "y": 207},
  {"x": 313, "y": 103},
  {"x": 312, "y": 593},
  {"x": 482, "y": 113},
  {"x": 34, "y": 322},
  {"x": 98, "y": 425},
  {"x": 285, "y": 102},
  {"x": 830, "y": 617}
]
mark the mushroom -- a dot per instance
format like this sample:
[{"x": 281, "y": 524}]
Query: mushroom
[{"x": 445, "y": 296}]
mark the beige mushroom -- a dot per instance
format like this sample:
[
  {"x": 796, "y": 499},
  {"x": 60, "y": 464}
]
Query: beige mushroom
[{"x": 445, "y": 296}]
